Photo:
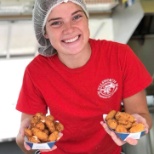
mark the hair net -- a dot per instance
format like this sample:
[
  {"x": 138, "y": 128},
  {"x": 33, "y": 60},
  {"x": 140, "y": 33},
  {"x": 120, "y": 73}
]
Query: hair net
[{"x": 42, "y": 9}]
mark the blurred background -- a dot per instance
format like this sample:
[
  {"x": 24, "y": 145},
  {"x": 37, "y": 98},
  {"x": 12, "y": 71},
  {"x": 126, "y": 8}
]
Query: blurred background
[{"x": 126, "y": 21}]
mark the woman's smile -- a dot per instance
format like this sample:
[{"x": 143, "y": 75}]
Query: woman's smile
[{"x": 71, "y": 40}]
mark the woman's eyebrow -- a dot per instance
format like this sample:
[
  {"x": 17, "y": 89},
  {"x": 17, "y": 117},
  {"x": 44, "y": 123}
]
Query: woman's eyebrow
[
  {"x": 77, "y": 12},
  {"x": 53, "y": 19},
  {"x": 58, "y": 18}
]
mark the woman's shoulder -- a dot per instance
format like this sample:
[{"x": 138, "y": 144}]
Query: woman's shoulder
[
  {"x": 38, "y": 63},
  {"x": 104, "y": 42},
  {"x": 108, "y": 46},
  {"x": 36, "y": 60}
]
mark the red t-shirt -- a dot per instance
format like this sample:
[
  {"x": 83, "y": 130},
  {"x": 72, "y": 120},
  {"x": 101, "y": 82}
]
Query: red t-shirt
[{"x": 79, "y": 97}]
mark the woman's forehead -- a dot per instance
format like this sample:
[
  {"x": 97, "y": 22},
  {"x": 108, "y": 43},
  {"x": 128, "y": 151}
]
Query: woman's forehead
[{"x": 66, "y": 6}]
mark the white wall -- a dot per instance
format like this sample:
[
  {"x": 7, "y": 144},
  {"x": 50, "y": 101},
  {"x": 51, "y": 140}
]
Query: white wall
[{"x": 11, "y": 74}]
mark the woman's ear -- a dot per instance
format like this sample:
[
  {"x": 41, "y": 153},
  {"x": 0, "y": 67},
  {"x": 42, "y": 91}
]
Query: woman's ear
[{"x": 46, "y": 35}]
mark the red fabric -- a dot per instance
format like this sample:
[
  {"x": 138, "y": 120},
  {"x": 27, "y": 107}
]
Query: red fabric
[{"x": 79, "y": 97}]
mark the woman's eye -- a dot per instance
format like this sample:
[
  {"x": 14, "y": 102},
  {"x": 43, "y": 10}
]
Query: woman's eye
[
  {"x": 56, "y": 23},
  {"x": 76, "y": 17}
]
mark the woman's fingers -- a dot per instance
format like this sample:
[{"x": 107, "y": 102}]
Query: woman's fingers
[
  {"x": 117, "y": 140},
  {"x": 27, "y": 147},
  {"x": 24, "y": 124},
  {"x": 60, "y": 136},
  {"x": 132, "y": 141},
  {"x": 105, "y": 127},
  {"x": 142, "y": 120}
]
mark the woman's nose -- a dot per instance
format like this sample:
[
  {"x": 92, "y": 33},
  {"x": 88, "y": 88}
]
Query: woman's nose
[{"x": 68, "y": 27}]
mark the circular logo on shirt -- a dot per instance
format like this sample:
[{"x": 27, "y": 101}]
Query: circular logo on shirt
[{"x": 107, "y": 88}]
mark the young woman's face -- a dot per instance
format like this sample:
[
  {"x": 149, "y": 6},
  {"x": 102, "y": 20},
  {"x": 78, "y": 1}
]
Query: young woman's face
[{"x": 67, "y": 29}]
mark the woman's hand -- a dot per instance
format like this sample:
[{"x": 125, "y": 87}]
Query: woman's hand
[
  {"x": 115, "y": 138},
  {"x": 131, "y": 141},
  {"x": 142, "y": 120},
  {"x": 25, "y": 120},
  {"x": 24, "y": 124}
]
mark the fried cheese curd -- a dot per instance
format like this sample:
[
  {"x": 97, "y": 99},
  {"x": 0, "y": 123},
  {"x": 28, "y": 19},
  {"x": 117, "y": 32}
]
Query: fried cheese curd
[
  {"x": 43, "y": 129},
  {"x": 123, "y": 122}
]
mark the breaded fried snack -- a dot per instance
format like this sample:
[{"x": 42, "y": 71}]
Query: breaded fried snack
[
  {"x": 112, "y": 123},
  {"x": 28, "y": 132},
  {"x": 137, "y": 128},
  {"x": 50, "y": 117},
  {"x": 53, "y": 136},
  {"x": 128, "y": 125},
  {"x": 42, "y": 118},
  {"x": 34, "y": 121},
  {"x": 40, "y": 125},
  {"x": 123, "y": 122},
  {"x": 41, "y": 135},
  {"x": 121, "y": 129},
  {"x": 110, "y": 115},
  {"x": 34, "y": 129},
  {"x": 39, "y": 115},
  {"x": 46, "y": 131},
  {"x": 124, "y": 116},
  {"x": 59, "y": 127},
  {"x": 43, "y": 129},
  {"x": 34, "y": 139},
  {"x": 50, "y": 125}
]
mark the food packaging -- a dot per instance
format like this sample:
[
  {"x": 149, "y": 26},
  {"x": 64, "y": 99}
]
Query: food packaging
[
  {"x": 39, "y": 146},
  {"x": 43, "y": 132}
]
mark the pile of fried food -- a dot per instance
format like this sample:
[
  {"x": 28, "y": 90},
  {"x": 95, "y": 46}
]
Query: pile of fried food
[
  {"x": 123, "y": 122},
  {"x": 43, "y": 129}
]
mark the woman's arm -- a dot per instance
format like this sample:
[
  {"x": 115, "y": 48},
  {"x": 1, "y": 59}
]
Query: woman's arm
[
  {"x": 137, "y": 104},
  {"x": 25, "y": 120}
]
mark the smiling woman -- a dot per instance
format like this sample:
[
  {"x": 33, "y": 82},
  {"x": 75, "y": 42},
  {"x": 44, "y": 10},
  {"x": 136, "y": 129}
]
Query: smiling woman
[
  {"x": 78, "y": 79},
  {"x": 68, "y": 33},
  {"x": 44, "y": 20}
]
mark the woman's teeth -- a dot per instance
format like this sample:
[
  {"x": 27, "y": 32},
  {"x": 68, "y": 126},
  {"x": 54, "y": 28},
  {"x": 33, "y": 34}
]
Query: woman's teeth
[{"x": 71, "y": 40}]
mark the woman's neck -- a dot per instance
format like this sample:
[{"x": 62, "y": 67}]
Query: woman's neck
[{"x": 77, "y": 60}]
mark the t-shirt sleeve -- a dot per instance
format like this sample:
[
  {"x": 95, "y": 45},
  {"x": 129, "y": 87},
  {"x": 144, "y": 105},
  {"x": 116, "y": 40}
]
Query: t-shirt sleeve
[
  {"x": 135, "y": 75},
  {"x": 30, "y": 100}
]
